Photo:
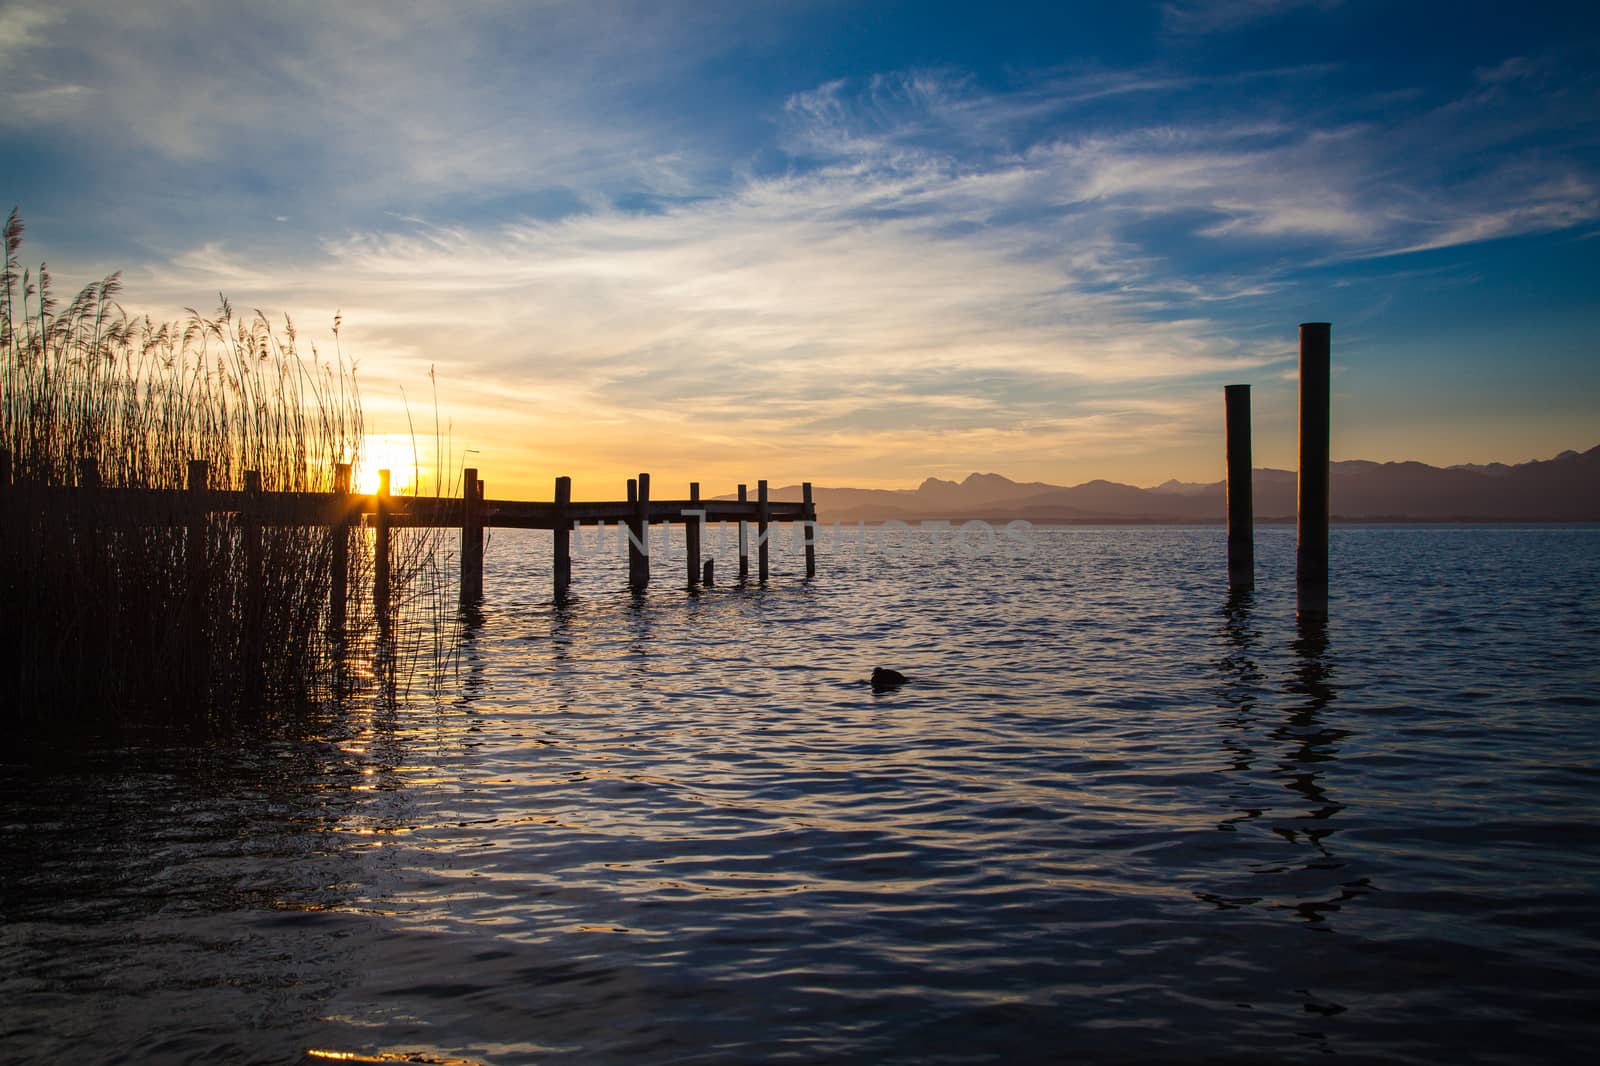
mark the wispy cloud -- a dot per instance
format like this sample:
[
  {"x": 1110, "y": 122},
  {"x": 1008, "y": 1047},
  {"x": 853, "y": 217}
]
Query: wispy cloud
[
  {"x": 1218, "y": 16},
  {"x": 910, "y": 269}
]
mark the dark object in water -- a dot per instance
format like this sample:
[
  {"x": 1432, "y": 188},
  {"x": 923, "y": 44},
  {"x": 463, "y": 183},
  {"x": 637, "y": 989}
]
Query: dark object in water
[
  {"x": 884, "y": 680},
  {"x": 708, "y": 572}
]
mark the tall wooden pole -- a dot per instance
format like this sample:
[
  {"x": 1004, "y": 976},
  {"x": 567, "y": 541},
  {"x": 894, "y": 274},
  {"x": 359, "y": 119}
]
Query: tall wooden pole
[
  {"x": 250, "y": 528},
  {"x": 195, "y": 559},
  {"x": 563, "y": 539},
  {"x": 810, "y": 519},
  {"x": 339, "y": 533},
  {"x": 1241, "y": 493},
  {"x": 744, "y": 540},
  {"x": 763, "y": 515},
  {"x": 1311, "y": 553},
  {"x": 691, "y": 535},
  {"x": 639, "y": 534},
  {"x": 380, "y": 560},
  {"x": 471, "y": 538}
]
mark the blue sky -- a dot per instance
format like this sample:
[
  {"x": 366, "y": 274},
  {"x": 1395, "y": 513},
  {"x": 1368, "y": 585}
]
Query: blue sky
[{"x": 858, "y": 243}]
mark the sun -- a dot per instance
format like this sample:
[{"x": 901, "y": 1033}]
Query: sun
[{"x": 394, "y": 453}]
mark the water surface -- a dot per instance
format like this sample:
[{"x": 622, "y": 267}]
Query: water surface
[{"x": 1115, "y": 816}]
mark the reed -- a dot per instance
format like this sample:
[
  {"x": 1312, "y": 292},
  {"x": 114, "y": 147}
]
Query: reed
[{"x": 106, "y": 623}]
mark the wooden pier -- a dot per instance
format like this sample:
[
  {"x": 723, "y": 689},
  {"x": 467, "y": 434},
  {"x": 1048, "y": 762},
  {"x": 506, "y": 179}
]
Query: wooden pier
[{"x": 341, "y": 511}]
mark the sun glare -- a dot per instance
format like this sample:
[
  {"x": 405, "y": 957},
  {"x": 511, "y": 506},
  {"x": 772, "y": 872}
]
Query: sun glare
[{"x": 394, "y": 454}]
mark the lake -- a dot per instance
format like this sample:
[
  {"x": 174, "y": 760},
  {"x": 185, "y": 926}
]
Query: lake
[{"x": 1114, "y": 816}]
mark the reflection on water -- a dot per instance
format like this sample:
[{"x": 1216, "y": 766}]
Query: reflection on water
[{"x": 1106, "y": 819}]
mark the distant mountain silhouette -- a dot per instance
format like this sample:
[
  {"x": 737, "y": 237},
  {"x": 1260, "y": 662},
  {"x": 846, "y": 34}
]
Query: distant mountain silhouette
[{"x": 1563, "y": 489}]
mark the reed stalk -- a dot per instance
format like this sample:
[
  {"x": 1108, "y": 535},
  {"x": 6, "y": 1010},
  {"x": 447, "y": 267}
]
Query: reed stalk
[{"x": 105, "y": 623}]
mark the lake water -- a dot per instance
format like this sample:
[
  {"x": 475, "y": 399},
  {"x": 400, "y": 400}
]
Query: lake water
[{"x": 1113, "y": 818}]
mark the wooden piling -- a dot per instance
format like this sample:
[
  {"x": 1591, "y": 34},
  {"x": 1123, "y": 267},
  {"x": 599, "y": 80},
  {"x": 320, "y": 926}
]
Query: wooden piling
[
  {"x": 195, "y": 561},
  {"x": 563, "y": 539},
  {"x": 5, "y": 500},
  {"x": 195, "y": 545},
  {"x": 708, "y": 573},
  {"x": 339, "y": 542},
  {"x": 744, "y": 541},
  {"x": 250, "y": 516},
  {"x": 471, "y": 537},
  {"x": 639, "y": 534},
  {"x": 380, "y": 556},
  {"x": 5, "y": 497},
  {"x": 1311, "y": 551},
  {"x": 89, "y": 513},
  {"x": 763, "y": 517},
  {"x": 691, "y": 535},
  {"x": 1241, "y": 491},
  {"x": 810, "y": 528}
]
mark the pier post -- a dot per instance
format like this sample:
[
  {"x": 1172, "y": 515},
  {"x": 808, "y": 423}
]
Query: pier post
[
  {"x": 195, "y": 547},
  {"x": 563, "y": 539},
  {"x": 763, "y": 516},
  {"x": 5, "y": 499},
  {"x": 250, "y": 529},
  {"x": 1241, "y": 491},
  {"x": 380, "y": 556},
  {"x": 471, "y": 538},
  {"x": 88, "y": 512},
  {"x": 639, "y": 534},
  {"x": 1311, "y": 552},
  {"x": 195, "y": 560},
  {"x": 691, "y": 534},
  {"x": 744, "y": 539},
  {"x": 339, "y": 537},
  {"x": 810, "y": 528}
]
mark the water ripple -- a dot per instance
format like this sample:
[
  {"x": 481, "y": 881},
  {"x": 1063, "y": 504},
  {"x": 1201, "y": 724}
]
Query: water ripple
[{"x": 1115, "y": 815}]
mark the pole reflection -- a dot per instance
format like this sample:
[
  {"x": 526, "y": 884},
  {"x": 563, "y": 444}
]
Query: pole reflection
[
  {"x": 1310, "y": 746},
  {"x": 1274, "y": 741}
]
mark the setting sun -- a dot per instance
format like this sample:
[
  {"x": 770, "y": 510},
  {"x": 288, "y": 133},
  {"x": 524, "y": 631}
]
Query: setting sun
[{"x": 395, "y": 453}]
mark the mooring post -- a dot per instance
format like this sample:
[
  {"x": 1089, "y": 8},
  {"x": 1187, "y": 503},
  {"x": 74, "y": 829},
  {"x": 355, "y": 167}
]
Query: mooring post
[
  {"x": 744, "y": 540},
  {"x": 630, "y": 533},
  {"x": 89, "y": 488},
  {"x": 5, "y": 493},
  {"x": 195, "y": 548},
  {"x": 339, "y": 541},
  {"x": 250, "y": 529},
  {"x": 1241, "y": 491},
  {"x": 810, "y": 528},
  {"x": 471, "y": 537},
  {"x": 1311, "y": 552},
  {"x": 563, "y": 539},
  {"x": 639, "y": 533},
  {"x": 763, "y": 519},
  {"x": 88, "y": 512},
  {"x": 380, "y": 555},
  {"x": 691, "y": 534},
  {"x": 195, "y": 559}
]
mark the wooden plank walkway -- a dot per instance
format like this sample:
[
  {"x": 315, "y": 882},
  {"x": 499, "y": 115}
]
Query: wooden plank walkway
[{"x": 472, "y": 513}]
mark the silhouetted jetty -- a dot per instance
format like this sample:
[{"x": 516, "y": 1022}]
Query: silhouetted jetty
[{"x": 91, "y": 505}]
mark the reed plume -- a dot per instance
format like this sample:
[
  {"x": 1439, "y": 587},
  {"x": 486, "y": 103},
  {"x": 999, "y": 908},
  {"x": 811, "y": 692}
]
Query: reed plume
[{"x": 105, "y": 620}]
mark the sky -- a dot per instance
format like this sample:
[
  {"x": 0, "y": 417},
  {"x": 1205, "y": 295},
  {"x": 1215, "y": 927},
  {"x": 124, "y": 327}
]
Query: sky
[{"x": 852, "y": 243}]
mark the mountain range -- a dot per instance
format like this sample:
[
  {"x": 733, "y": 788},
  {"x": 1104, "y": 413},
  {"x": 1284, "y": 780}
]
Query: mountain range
[{"x": 1563, "y": 489}]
